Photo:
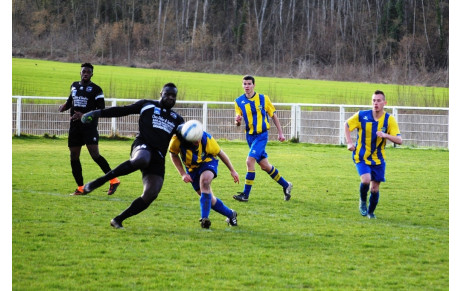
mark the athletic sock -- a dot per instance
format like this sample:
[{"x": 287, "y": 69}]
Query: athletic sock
[
  {"x": 363, "y": 189},
  {"x": 103, "y": 164},
  {"x": 250, "y": 177},
  {"x": 373, "y": 201},
  {"x": 124, "y": 168},
  {"x": 205, "y": 202},
  {"x": 277, "y": 177},
  {"x": 136, "y": 207},
  {"x": 77, "y": 171},
  {"x": 221, "y": 208}
]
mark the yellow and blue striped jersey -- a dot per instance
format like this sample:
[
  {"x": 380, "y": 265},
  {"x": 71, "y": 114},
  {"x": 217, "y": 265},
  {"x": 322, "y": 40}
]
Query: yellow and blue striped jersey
[
  {"x": 255, "y": 111},
  {"x": 369, "y": 147},
  {"x": 192, "y": 156}
]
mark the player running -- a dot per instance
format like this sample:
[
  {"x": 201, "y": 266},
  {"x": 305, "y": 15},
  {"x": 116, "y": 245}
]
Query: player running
[
  {"x": 255, "y": 109},
  {"x": 374, "y": 128}
]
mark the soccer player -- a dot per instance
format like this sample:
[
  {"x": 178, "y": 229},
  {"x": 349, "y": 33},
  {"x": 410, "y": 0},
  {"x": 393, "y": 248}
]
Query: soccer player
[
  {"x": 84, "y": 97},
  {"x": 255, "y": 109},
  {"x": 374, "y": 128},
  {"x": 200, "y": 162},
  {"x": 157, "y": 124}
]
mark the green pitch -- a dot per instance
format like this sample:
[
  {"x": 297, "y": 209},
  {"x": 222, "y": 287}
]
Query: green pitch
[
  {"x": 317, "y": 241},
  {"x": 47, "y": 78}
]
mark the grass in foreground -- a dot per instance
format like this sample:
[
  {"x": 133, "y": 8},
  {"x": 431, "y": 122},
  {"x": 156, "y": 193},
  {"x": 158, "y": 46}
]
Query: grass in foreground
[{"x": 317, "y": 240}]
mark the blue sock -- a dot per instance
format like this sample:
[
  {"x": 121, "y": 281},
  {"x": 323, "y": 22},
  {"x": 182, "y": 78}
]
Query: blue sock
[
  {"x": 205, "y": 202},
  {"x": 373, "y": 201},
  {"x": 220, "y": 207},
  {"x": 277, "y": 177},
  {"x": 363, "y": 189},
  {"x": 250, "y": 177}
]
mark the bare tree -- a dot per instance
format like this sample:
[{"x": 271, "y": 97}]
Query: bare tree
[{"x": 260, "y": 17}]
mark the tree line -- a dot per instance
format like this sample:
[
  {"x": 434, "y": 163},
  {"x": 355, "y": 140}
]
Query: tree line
[{"x": 392, "y": 41}]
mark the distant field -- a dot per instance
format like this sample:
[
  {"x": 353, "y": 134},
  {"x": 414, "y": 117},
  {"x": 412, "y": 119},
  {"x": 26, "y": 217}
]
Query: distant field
[
  {"x": 316, "y": 241},
  {"x": 48, "y": 78}
]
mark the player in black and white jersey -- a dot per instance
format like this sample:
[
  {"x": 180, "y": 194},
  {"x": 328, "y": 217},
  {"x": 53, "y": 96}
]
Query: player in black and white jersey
[
  {"x": 84, "y": 97},
  {"x": 157, "y": 124}
]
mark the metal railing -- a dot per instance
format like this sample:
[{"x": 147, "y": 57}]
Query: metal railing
[{"x": 308, "y": 123}]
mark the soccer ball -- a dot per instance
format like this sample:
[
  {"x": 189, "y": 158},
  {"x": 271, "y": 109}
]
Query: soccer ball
[{"x": 192, "y": 131}]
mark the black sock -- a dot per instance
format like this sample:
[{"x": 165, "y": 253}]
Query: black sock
[
  {"x": 363, "y": 189},
  {"x": 124, "y": 168},
  {"x": 77, "y": 171},
  {"x": 103, "y": 164},
  {"x": 373, "y": 201},
  {"x": 136, "y": 207}
]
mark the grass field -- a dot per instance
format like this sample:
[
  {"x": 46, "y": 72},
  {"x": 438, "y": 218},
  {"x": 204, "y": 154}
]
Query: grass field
[
  {"x": 317, "y": 241},
  {"x": 48, "y": 78}
]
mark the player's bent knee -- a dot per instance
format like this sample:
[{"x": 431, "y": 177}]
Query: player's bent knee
[
  {"x": 140, "y": 162},
  {"x": 149, "y": 196}
]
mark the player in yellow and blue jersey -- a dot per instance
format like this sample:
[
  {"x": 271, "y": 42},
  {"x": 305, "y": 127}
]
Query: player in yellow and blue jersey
[
  {"x": 200, "y": 160},
  {"x": 374, "y": 128},
  {"x": 256, "y": 109}
]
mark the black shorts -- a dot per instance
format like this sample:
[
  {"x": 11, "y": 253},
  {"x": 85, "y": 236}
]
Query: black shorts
[
  {"x": 157, "y": 160},
  {"x": 79, "y": 135}
]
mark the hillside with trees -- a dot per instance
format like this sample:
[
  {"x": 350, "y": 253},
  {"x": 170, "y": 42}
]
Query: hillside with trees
[{"x": 383, "y": 41}]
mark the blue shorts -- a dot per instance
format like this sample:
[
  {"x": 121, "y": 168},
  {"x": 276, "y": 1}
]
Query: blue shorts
[
  {"x": 377, "y": 171},
  {"x": 196, "y": 173},
  {"x": 257, "y": 144}
]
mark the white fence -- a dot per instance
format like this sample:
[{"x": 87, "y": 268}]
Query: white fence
[{"x": 308, "y": 123}]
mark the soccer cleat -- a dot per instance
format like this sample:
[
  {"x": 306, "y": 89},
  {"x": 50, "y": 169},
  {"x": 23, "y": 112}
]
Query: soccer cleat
[
  {"x": 232, "y": 221},
  {"x": 113, "y": 186},
  {"x": 205, "y": 223},
  {"x": 78, "y": 191},
  {"x": 87, "y": 188},
  {"x": 362, "y": 207},
  {"x": 116, "y": 224},
  {"x": 371, "y": 215},
  {"x": 287, "y": 192},
  {"x": 241, "y": 197}
]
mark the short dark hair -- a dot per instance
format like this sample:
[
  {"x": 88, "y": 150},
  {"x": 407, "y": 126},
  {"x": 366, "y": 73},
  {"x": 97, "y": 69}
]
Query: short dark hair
[
  {"x": 249, "y": 77},
  {"x": 87, "y": 65},
  {"x": 378, "y": 92},
  {"x": 169, "y": 88},
  {"x": 169, "y": 85}
]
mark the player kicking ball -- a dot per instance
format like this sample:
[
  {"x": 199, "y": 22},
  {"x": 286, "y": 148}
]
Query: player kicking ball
[{"x": 199, "y": 155}]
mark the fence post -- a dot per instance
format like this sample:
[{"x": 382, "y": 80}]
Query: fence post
[
  {"x": 297, "y": 121},
  {"x": 293, "y": 123},
  {"x": 205, "y": 115},
  {"x": 114, "y": 120},
  {"x": 341, "y": 123},
  {"x": 18, "y": 116},
  {"x": 395, "y": 113}
]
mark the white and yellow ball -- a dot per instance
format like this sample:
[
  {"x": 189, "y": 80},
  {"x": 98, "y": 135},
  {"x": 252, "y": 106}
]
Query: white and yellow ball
[{"x": 192, "y": 131}]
